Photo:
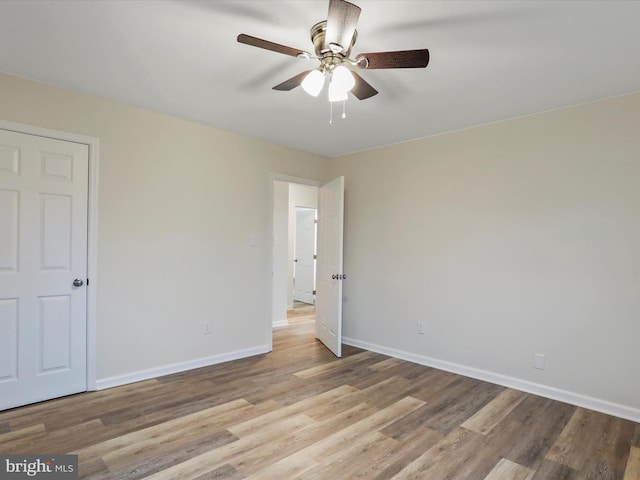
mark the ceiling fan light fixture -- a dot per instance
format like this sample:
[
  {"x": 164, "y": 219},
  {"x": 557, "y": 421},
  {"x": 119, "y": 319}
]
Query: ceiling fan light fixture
[
  {"x": 333, "y": 40},
  {"x": 313, "y": 83}
]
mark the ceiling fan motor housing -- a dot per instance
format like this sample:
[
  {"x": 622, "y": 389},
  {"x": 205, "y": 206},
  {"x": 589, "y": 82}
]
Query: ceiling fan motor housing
[{"x": 330, "y": 55}]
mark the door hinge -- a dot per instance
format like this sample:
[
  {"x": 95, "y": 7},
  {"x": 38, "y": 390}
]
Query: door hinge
[
  {"x": 314, "y": 292},
  {"x": 315, "y": 221},
  {"x": 315, "y": 257}
]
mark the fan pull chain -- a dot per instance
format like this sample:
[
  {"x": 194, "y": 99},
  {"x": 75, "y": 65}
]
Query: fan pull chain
[{"x": 344, "y": 111}]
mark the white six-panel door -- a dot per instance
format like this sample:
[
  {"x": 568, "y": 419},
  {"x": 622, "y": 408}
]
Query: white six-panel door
[
  {"x": 329, "y": 265},
  {"x": 43, "y": 249}
]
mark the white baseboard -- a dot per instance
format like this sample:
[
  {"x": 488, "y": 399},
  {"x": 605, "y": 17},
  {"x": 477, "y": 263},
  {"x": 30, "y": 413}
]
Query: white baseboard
[
  {"x": 591, "y": 403},
  {"x": 280, "y": 323},
  {"x": 178, "y": 367}
]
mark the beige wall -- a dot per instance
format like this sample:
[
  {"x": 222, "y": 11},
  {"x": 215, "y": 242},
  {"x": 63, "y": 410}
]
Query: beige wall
[
  {"x": 506, "y": 240},
  {"x": 178, "y": 203}
]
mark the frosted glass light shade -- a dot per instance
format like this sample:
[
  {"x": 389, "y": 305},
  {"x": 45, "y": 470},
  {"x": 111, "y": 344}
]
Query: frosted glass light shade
[
  {"x": 343, "y": 78},
  {"x": 313, "y": 83}
]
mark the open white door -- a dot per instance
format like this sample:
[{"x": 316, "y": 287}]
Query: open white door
[
  {"x": 43, "y": 268},
  {"x": 329, "y": 265}
]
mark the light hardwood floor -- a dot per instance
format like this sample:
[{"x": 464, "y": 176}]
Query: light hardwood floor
[{"x": 299, "y": 413}]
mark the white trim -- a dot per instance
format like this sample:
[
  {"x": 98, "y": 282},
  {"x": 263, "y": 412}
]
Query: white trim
[
  {"x": 280, "y": 323},
  {"x": 151, "y": 373},
  {"x": 92, "y": 229},
  {"x": 591, "y": 403},
  {"x": 291, "y": 179}
]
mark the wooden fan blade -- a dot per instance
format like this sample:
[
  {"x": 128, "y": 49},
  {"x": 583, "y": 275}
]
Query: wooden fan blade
[
  {"x": 292, "y": 83},
  {"x": 267, "y": 45},
  {"x": 341, "y": 25},
  {"x": 399, "y": 59},
  {"x": 362, "y": 90}
]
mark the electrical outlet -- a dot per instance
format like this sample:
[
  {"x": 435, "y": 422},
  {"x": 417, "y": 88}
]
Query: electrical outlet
[
  {"x": 538, "y": 361},
  {"x": 420, "y": 328},
  {"x": 207, "y": 328}
]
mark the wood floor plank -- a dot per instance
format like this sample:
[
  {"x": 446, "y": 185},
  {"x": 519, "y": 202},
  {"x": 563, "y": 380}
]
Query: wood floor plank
[
  {"x": 601, "y": 456},
  {"x": 146, "y": 442},
  {"x": 443, "y": 459},
  {"x": 210, "y": 460},
  {"x": 326, "y": 410},
  {"x": 387, "y": 363},
  {"x": 606, "y": 459},
  {"x": 377, "y": 421},
  {"x": 337, "y": 441},
  {"x": 145, "y": 463},
  {"x": 225, "y": 472},
  {"x": 335, "y": 365},
  {"x": 388, "y": 391},
  {"x": 11, "y": 438},
  {"x": 95, "y": 469},
  {"x": 409, "y": 447},
  {"x": 303, "y": 406},
  {"x": 294, "y": 466},
  {"x": 364, "y": 456},
  {"x": 494, "y": 412},
  {"x": 574, "y": 442},
  {"x": 296, "y": 440},
  {"x": 444, "y": 413},
  {"x": 556, "y": 471},
  {"x": 632, "y": 470},
  {"x": 635, "y": 441},
  {"x": 508, "y": 470},
  {"x": 433, "y": 385},
  {"x": 532, "y": 428},
  {"x": 68, "y": 438},
  {"x": 407, "y": 371}
]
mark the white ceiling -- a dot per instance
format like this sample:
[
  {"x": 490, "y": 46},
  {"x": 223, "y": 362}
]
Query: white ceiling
[{"x": 490, "y": 60}]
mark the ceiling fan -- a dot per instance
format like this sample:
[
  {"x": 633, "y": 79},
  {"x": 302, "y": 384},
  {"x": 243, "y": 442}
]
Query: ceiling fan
[{"x": 333, "y": 40}]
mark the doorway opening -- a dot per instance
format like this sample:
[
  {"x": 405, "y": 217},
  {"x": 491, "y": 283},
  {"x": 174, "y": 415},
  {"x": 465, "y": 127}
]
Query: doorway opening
[
  {"x": 328, "y": 200},
  {"x": 294, "y": 251}
]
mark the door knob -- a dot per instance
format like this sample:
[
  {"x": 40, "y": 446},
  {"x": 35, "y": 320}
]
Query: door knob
[
  {"x": 334, "y": 277},
  {"x": 78, "y": 282}
]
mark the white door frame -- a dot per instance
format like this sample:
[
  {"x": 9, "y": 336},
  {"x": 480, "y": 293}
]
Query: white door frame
[
  {"x": 282, "y": 178},
  {"x": 92, "y": 228}
]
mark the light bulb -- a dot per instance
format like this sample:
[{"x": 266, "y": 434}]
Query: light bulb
[
  {"x": 343, "y": 77},
  {"x": 336, "y": 93},
  {"x": 313, "y": 83}
]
